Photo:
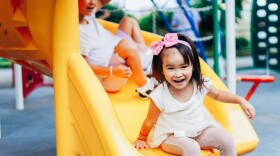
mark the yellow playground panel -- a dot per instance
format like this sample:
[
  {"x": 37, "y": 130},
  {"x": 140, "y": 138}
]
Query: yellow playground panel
[{"x": 43, "y": 35}]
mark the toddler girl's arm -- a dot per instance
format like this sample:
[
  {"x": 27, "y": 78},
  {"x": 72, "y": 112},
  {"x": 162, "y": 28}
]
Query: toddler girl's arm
[
  {"x": 224, "y": 96},
  {"x": 148, "y": 124}
]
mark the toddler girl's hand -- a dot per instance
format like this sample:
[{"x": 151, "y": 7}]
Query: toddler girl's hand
[
  {"x": 140, "y": 144},
  {"x": 248, "y": 109},
  {"x": 122, "y": 71}
]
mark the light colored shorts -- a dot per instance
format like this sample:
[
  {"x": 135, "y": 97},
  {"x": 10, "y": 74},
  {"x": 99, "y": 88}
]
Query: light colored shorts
[
  {"x": 121, "y": 34},
  {"x": 113, "y": 83},
  {"x": 144, "y": 52}
]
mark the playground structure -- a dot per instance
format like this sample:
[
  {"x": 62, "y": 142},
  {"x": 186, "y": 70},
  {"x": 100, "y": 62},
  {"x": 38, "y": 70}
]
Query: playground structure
[
  {"x": 264, "y": 42},
  {"x": 43, "y": 35},
  {"x": 264, "y": 39},
  {"x": 265, "y": 34},
  {"x": 26, "y": 81}
]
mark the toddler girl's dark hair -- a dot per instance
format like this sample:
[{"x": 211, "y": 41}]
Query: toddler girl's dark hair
[{"x": 190, "y": 57}]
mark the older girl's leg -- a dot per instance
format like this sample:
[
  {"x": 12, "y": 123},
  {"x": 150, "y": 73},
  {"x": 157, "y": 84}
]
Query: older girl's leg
[
  {"x": 217, "y": 138},
  {"x": 181, "y": 146},
  {"x": 128, "y": 51},
  {"x": 131, "y": 27}
]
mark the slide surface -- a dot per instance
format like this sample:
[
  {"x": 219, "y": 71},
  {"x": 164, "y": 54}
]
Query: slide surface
[{"x": 43, "y": 35}]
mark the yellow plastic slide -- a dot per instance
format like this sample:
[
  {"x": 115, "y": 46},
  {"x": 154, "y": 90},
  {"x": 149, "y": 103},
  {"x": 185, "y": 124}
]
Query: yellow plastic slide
[{"x": 43, "y": 35}]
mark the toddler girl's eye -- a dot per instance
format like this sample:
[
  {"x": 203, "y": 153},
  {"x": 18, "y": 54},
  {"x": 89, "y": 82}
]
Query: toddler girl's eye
[
  {"x": 170, "y": 68},
  {"x": 185, "y": 66}
]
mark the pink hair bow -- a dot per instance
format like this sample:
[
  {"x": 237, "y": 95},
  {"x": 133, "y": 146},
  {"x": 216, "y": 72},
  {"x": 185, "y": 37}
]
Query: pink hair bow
[{"x": 169, "y": 40}]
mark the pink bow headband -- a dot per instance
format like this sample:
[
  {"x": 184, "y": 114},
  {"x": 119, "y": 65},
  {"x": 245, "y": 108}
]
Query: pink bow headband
[{"x": 169, "y": 40}]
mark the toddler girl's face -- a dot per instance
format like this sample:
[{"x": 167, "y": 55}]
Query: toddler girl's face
[
  {"x": 86, "y": 7},
  {"x": 176, "y": 72}
]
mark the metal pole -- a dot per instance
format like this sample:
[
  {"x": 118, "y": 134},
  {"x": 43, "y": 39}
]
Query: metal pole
[
  {"x": 0, "y": 128},
  {"x": 230, "y": 45},
  {"x": 18, "y": 88},
  {"x": 216, "y": 38}
]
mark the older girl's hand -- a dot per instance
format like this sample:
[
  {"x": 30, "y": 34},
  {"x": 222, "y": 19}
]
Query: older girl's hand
[
  {"x": 248, "y": 109},
  {"x": 122, "y": 71},
  {"x": 141, "y": 145}
]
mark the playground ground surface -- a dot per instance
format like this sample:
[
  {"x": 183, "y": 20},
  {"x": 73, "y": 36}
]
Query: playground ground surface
[{"x": 31, "y": 132}]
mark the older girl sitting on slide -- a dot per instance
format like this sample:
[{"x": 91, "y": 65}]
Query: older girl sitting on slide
[{"x": 114, "y": 58}]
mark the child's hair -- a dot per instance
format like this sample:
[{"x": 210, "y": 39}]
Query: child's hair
[{"x": 190, "y": 57}]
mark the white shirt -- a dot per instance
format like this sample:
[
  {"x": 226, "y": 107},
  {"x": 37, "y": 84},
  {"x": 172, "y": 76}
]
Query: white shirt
[
  {"x": 96, "y": 42},
  {"x": 183, "y": 119}
]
